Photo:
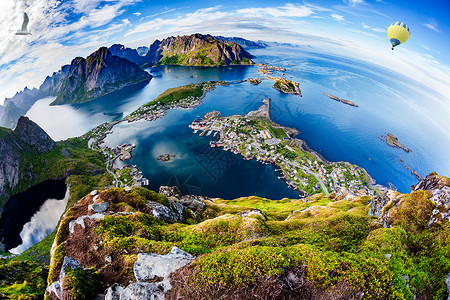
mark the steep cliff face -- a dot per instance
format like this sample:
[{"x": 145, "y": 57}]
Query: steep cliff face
[
  {"x": 99, "y": 74},
  {"x": 198, "y": 49}
]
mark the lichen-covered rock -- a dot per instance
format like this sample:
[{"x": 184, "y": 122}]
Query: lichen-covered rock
[
  {"x": 171, "y": 213},
  {"x": 441, "y": 198},
  {"x": 68, "y": 262},
  {"x": 170, "y": 191},
  {"x": 136, "y": 291},
  {"x": 54, "y": 290},
  {"x": 431, "y": 182},
  {"x": 253, "y": 213},
  {"x": 80, "y": 221},
  {"x": 98, "y": 207},
  {"x": 192, "y": 203},
  {"x": 151, "y": 266}
]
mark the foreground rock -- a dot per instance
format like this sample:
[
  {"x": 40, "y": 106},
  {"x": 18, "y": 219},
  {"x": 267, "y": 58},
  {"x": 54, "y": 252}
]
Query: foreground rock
[{"x": 152, "y": 272}]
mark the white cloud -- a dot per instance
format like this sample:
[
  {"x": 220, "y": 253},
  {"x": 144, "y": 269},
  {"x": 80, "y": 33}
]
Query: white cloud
[
  {"x": 432, "y": 24},
  {"x": 354, "y": 2},
  {"x": 288, "y": 10},
  {"x": 337, "y": 17},
  {"x": 26, "y": 60},
  {"x": 137, "y": 14},
  {"x": 373, "y": 28}
]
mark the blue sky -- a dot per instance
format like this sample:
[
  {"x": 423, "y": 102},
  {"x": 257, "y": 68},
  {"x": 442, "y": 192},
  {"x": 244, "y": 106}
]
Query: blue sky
[{"x": 356, "y": 29}]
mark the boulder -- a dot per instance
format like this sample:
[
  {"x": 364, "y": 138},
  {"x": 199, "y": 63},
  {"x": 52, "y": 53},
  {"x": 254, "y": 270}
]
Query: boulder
[
  {"x": 252, "y": 213},
  {"x": 94, "y": 192},
  {"x": 136, "y": 291},
  {"x": 192, "y": 203},
  {"x": 98, "y": 207},
  {"x": 171, "y": 213},
  {"x": 150, "y": 266},
  {"x": 54, "y": 288},
  {"x": 170, "y": 191}
]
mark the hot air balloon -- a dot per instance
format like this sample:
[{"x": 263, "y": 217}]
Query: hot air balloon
[{"x": 398, "y": 33}]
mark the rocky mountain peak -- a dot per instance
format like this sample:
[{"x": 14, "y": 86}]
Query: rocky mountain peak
[{"x": 33, "y": 135}]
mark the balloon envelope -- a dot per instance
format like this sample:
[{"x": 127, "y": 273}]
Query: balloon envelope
[{"x": 398, "y": 33}]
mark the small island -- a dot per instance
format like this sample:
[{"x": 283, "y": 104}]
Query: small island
[
  {"x": 341, "y": 100},
  {"x": 286, "y": 86},
  {"x": 254, "y": 81},
  {"x": 165, "y": 157},
  {"x": 393, "y": 141}
]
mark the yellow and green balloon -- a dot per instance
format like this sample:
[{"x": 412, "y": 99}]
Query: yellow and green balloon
[{"x": 398, "y": 33}]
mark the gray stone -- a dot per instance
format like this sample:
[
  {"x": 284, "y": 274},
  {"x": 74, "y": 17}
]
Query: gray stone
[
  {"x": 441, "y": 198},
  {"x": 149, "y": 266},
  {"x": 95, "y": 247},
  {"x": 192, "y": 204},
  {"x": 171, "y": 213},
  {"x": 253, "y": 213},
  {"x": 127, "y": 189},
  {"x": 136, "y": 291},
  {"x": 80, "y": 221},
  {"x": 388, "y": 256},
  {"x": 405, "y": 278},
  {"x": 170, "y": 191},
  {"x": 114, "y": 292},
  {"x": 94, "y": 192},
  {"x": 98, "y": 207},
  {"x": 68, "y": 262},
  {"x": 54, "y": 288},
  {"x": 108, "y": 259}
]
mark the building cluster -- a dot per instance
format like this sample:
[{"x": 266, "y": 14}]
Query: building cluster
[{"x": 254, "y": 139}]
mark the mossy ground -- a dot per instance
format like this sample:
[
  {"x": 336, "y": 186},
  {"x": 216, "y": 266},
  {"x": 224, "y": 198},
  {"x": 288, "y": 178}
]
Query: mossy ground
[{"x": 336, "y": 243}]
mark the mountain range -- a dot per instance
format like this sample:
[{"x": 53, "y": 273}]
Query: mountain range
[{"x": 109, "y": 70}]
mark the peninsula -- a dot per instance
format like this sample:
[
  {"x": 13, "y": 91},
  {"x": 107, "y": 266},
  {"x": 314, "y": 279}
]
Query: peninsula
[
  {"x": 256, "y": 136},
  {"x": 341, "y": 100}
]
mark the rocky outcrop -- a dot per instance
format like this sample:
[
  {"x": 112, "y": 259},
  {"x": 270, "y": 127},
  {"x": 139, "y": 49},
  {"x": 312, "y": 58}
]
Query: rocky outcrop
[
  {"x": 57, "y": 289},
  {"x": 430, "y": 182},
  {"x": 170, "y": 213},
  {"x": 170, "y": 191},
  {"x": 430, "y": 198},
  {"x": 99, "y": 74}
]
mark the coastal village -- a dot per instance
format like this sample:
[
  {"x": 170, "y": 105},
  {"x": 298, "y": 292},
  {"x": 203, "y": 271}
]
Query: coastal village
[{"x": 255, "y": 136}]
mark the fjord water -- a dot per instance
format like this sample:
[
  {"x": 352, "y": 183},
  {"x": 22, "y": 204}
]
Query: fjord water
[
  {"x": 337, "y": 131},
  {"x": 30, "y": 216}
]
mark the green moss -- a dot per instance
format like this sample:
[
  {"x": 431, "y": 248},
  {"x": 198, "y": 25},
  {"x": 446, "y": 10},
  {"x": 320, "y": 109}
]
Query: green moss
[
  {"x": 57, "y": 260},
  {"x": 82, "y": 284},
  {"x": 23, "y": 279}
]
